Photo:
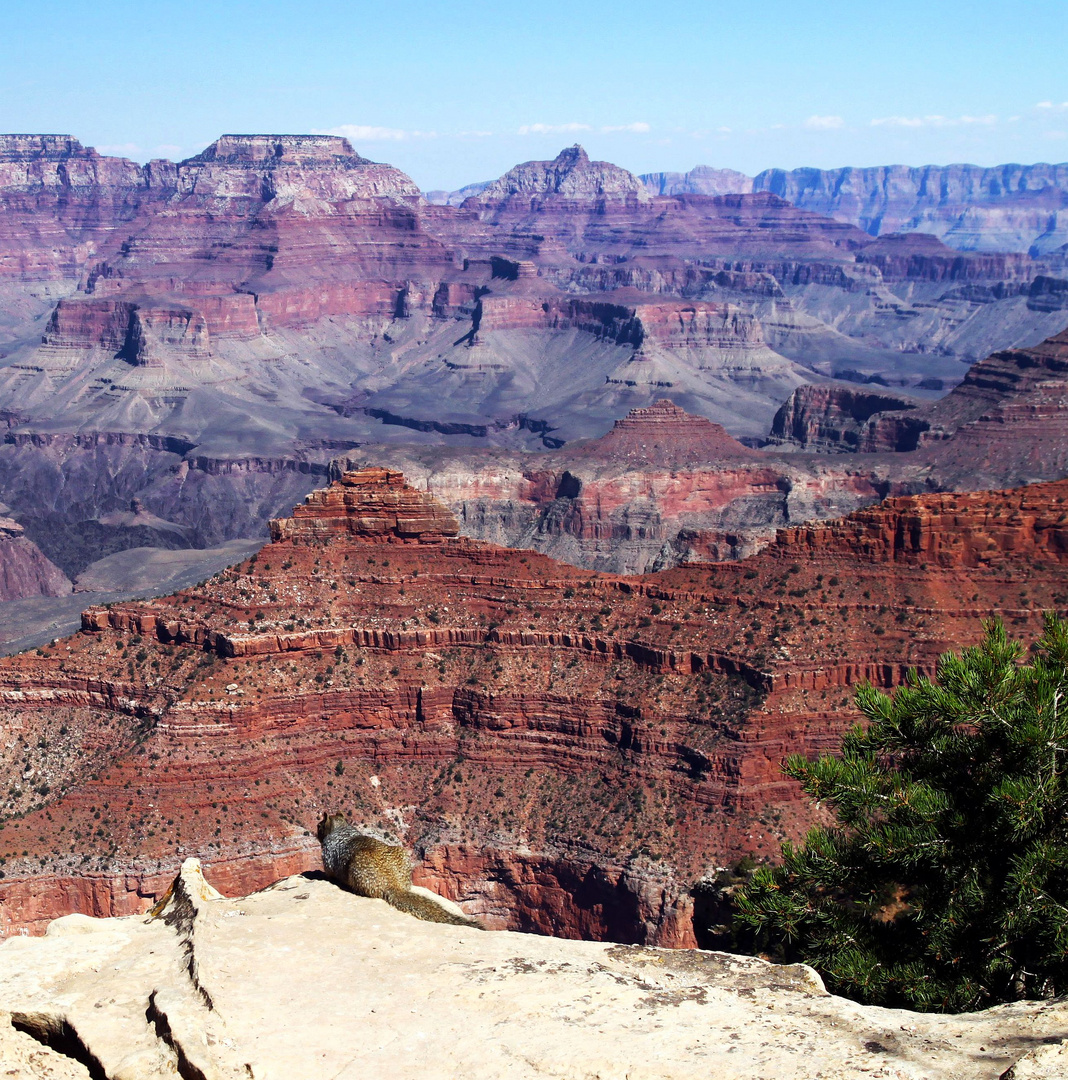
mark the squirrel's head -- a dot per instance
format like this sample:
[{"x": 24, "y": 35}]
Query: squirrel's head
[{"x": 328, "y": 823}]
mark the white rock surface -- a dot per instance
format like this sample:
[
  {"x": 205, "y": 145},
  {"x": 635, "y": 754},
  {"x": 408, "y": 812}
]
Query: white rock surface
[
  {"x": 22, "y": 1057},
  {"x": 304, "y": 981}
]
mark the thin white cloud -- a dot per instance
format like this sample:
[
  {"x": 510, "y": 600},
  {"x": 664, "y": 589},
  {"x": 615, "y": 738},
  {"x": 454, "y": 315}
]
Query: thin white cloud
[
  {"x": 552, "y": 129},
  {"x": 1052, "y": 105},
  {"x": 935, "y": 120},
  {"x": 898, "y": 121},
  {"x": 128, "y": 149},
  {"x": 639, "y": 128},
  {"x": 370, "y": 133},
  {"x": 824, "y": 123},
  {"x": 167, "y": 150}
]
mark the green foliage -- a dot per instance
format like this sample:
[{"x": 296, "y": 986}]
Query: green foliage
[{"x": 944, "y": 884}]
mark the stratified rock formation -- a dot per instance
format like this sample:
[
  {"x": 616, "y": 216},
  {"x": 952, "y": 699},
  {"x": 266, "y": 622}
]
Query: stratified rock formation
[
  {"x": 968, "y": 529},
  {"x": 199, "y": 990},
  {"x": 663, "y": 487},
  {"x": 1006, "y": 423},
  {"x": 1002, "y": 208},
  {"x": 373, "y": 504},
  {"x": 207, "y": 335},
  {"x": 830, "y": 419},
  {"x": 566, "y": 751}
]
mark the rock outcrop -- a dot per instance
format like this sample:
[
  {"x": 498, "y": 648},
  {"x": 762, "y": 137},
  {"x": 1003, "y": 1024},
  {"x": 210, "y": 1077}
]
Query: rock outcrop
[
  {"x": 24, "y": 570},
  {"x": 663, "y": 487},
  {"x": 952, "y": 531},
  {"x": 1003, "y": 424},
  {"x": 831, "y": 419},
  {"x": 373, "y": 504},
  {"x": 198, "y": 990},
  {"x": 565, "y": 751}
]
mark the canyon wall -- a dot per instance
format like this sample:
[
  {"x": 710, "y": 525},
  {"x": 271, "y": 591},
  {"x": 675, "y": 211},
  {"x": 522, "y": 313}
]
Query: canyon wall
[
  {"x": 971, "y": 208},
  {"x": 565, "y": 751},
  {"x": 1003, "y": 424},
  {"x": 278, "y": 301},
  {"x": 661, "y": 488}
]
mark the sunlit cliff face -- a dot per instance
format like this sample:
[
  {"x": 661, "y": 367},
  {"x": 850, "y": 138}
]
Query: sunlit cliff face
[{"x": 520, "y": 722}]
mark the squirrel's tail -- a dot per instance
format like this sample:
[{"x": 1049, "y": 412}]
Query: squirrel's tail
[{"x": 423, "y": 907}]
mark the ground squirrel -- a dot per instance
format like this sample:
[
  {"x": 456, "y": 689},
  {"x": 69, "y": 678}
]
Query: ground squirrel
[{"x": 371, "y": 867}]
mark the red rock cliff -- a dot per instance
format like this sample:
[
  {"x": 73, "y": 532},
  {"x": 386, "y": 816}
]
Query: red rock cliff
[
  {"x": 564, "y": 750},
  {"x": 373, "y": 504}
]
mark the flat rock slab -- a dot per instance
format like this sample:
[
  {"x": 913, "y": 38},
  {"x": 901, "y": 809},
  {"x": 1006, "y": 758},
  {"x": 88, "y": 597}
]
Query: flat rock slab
[{"x": 305, "y": 980}]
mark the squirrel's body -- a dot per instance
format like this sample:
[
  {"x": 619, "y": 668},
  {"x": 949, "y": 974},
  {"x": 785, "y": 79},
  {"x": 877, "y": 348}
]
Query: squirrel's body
[{"x": 371, "y": 867}]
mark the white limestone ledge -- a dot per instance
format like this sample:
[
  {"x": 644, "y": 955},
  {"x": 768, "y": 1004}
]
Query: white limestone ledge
[{"x": 306, "y": 981}]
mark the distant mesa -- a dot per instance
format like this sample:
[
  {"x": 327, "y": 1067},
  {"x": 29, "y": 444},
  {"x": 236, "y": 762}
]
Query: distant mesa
[
  {"x": 20, "y": 147},
  {"x": 261, "y": 150},
  {"x": 969, "y": 207}
]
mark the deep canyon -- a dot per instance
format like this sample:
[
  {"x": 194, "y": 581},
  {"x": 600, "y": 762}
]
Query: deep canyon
[
  {"x": 618, "y": 487},
  {"x": 567, "y": 751}
]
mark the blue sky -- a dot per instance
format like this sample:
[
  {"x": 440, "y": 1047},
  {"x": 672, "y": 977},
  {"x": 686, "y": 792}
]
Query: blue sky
[{"x": 454, "y": 92}]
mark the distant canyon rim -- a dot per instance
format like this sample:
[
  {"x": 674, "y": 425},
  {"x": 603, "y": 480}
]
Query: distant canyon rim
[{"x": 657, "y": 394}]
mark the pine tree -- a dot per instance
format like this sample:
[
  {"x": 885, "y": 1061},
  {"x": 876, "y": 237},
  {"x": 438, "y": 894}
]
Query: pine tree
[{"x": 944, "y": 883}]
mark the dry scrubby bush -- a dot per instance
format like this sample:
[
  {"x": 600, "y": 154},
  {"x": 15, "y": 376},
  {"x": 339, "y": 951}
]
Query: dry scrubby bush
[{"x": 944, "y": 885}]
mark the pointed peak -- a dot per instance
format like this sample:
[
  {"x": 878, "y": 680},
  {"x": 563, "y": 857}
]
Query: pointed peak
[
  {"x": 665, "y": 434},
  {"x": 572, "y": 156},
  {"x": 572, "y": 175}
]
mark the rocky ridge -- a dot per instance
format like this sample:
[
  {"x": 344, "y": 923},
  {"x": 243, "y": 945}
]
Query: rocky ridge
[
  {"x": 206, "y": 335},
  {"x": 662, "y": 487},
  {"x": 1005, "y": 422},
  {"x": 198, "y": 990},
  {"x": 566, "y": 751},
  {"x": 1001, "y": 208}
]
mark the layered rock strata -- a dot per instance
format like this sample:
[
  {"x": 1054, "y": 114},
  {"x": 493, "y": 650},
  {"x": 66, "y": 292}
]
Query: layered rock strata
[
  {"x": 277, "y": 300},
  {"x": 831, "y": 418},
  {"x": 662, "y": 487},
  {"x": 1001, "y": 208},
  {"x": 372, "y": 504},
  {"x": 566, "y": 751},
  {"x": 1004, "y": 423}
]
